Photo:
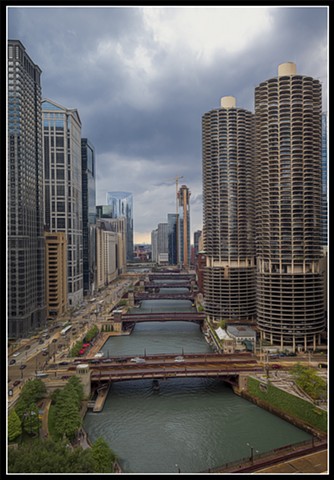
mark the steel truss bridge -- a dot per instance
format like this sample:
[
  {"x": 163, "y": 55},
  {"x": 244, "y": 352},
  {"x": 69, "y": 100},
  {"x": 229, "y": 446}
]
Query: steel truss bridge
[
  {"x": 210, "y": 365},
  {"x": 164, "y": 317}
]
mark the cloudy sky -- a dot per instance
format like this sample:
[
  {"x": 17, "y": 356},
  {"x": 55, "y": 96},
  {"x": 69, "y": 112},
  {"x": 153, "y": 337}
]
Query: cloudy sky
[{"x": 142, "y": 77}]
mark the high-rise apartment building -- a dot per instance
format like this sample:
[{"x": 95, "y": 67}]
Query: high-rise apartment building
[
  {"x": 290, "y": 309},
  {"x": 63, "y": 187},
  {"x": 88, "y": 213},
  {"x": 25, "y": 207},
  {"x": 228, "y": 212},
  {"x": 122, "y": 203},
  {"x": 324, "y": 189},
  {"x": 184, "y": 225}
]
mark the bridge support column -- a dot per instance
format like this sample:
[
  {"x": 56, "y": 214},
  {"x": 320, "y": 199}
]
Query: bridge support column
[{"x": 242, "y": 383}]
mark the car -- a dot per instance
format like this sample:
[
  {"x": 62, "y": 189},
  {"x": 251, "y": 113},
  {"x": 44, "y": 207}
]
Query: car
[
  {"x": 65, "y": 377},
  {"x": 94, "y": 361},
  {"x": 41, "y": 341},
  {"x": 22, "y": 366},
  {"x": 276, "y": 366},
  {"x": 138, "y": 360},
  {"x": 12, "y": 361},
  {"x": 107, "y": 360},
  {"x": 55, "y": 340},
  {"x": 44, "y": 354},
  {"x": 27, "y": 347},
  {"x": 179, "y": 359},
  {"x": 16, "y": 354},
  {"x": 63, "y": 363},
  {"x": 16, "y": 383}
]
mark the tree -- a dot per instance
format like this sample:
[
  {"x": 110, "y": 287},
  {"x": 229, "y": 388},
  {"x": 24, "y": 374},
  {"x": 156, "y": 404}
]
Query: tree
[
  {"x": 31, "y": 422},
  {"x": 75, "y": 382},
  {"x": 14, "y": 425},
  {"x": 47, "y": 456},
  {"x": 102, "y": 456},
  {"x": 32, "y": 392}
]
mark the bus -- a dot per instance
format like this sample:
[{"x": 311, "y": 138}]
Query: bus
[{"x": 66, "y": 329}]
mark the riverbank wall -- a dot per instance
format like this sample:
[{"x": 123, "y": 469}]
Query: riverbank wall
[{"x": 301, "y": 413}]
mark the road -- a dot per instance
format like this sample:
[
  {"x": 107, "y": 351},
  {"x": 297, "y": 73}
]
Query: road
[{"x": 29, "y": 351}]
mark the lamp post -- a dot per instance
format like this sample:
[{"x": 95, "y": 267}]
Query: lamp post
[
  {"x": 178, "y": 468},
  {"x": 252, "y": 452}
]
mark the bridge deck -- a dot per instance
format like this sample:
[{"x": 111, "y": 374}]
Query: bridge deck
[
  {"x": 164, "y": 317},
  {"x": 168, "y": 366}
]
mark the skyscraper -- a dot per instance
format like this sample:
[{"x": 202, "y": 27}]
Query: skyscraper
[
  {"x": 63, "y": 187},
  {"x": 290, "y": 308},
  {"x": 26, "y": 242},
  {"x": 122, "y": 203},
  {"x": 88, "y": 213},
  {"x": 228, "y": 212},
  {"x": 172, "y": 238},
  {"x": 184, "y": 226},
  {"x": 324, "y": 191}
]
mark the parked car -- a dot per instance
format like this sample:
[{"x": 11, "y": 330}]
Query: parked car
[
  {"x": 27, "y": 347},
  {"x": 63, "y": 363},
  {"x": 12, "y": 361},
  {"x": 276, "y": 366},
  {"x": 16, "y": 383},
  {"x": 22, "y": 366},
  {"x": 179, "y": 359}
]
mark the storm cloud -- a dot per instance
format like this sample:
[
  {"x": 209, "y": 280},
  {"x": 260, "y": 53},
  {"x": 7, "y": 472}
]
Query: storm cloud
[{"x": 142, "y": 77}]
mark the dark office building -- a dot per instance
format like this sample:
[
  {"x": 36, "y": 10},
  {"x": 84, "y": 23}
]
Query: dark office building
[
  {"x": 26, "y": 242},
  {"x": 88, "y": 213}
]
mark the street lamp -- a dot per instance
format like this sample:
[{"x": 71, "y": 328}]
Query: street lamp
[
  {"x": 178, "y": 468},
  {"x": 252, "y": 452}
]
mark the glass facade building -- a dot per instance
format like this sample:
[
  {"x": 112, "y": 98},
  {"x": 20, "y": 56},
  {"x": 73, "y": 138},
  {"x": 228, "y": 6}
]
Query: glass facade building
[
  {"x": 184, "y": 225},
  {"x": 25, "y": 199},
  {"x": 63, "y": 187},
  {"x": 122, "y": 203},
  {"x": 172, "y": 238},
  {"x": 88, "y": 213},
  {"x": 290, "y": 290},
  {"x": 228, "y": 213}
]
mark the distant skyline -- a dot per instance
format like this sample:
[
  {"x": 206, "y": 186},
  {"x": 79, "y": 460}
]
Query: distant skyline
[{"x": 142, "y": 77}]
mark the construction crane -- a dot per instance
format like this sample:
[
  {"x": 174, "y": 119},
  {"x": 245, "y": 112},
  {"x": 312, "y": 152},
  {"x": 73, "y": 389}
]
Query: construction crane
[{"x": 176, "y": 180}]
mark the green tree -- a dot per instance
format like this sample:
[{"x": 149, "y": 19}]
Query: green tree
[
  {"x": 14, "y": 425},
  {"x": 32, "y": 392},
  {"x": 102, "y": 456},
  {"x": 75, "y": 382},
  {"x": 31, "y": 422},
  {"x": 67, "y": 412},
  {"x": 47, "y": 456}
]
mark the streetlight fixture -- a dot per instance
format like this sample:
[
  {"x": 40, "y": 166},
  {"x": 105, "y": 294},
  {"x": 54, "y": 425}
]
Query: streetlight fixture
[
  {"x": 252, "y": 452},
  {"x": 178, "y": 468}
]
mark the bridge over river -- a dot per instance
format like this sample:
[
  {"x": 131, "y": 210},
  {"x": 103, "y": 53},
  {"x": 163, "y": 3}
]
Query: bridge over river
[
  {"x": 163, "y": 317},
  {"x": 160, "y": 366}
]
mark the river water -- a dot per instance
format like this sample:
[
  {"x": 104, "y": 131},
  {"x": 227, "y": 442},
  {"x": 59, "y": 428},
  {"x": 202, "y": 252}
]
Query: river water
[{"x": 189, "y": 425}]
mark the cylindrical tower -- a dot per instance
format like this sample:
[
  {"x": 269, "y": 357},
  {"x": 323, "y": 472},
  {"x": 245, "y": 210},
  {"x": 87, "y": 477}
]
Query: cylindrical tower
[
  {"x": 228, "y": 212},
  {"x": 288, "y": 195}
]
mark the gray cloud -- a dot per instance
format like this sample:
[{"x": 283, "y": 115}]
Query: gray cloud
[{"x": 141, "y": 79}]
